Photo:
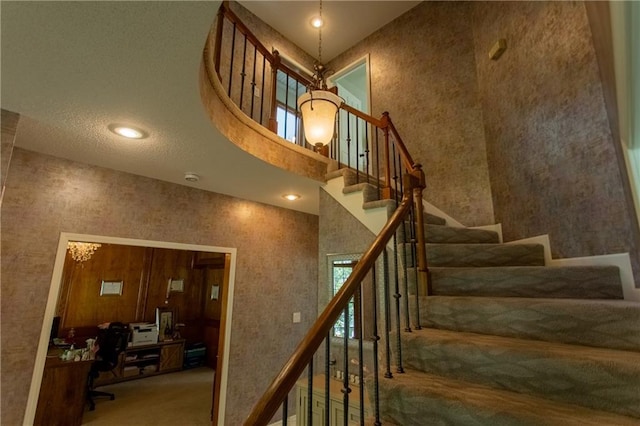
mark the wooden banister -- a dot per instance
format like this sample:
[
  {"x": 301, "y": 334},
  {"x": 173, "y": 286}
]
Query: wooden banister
[{"x": 269, "y": 403}]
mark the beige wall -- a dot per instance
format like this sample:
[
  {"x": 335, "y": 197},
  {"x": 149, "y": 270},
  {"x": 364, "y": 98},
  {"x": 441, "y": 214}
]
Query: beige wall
[
  {"x": 9, "y": 126},
  {"x": 552, "y": 157},
  {"x": 423, "y": 73},
  {"x": 277, "y": 252},
  {"x": 525, "y": 139}
]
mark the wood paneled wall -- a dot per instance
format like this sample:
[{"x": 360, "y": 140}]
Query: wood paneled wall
[{"x": 145, "y": 273}]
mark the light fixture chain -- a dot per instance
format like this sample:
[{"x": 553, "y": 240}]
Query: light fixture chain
[{"x": 320, "y": 35}]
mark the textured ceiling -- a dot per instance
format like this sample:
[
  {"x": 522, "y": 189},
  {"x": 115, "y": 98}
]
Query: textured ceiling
[
  {"x": 72, "y": 68},
  {"x": 346, "y": 22}
]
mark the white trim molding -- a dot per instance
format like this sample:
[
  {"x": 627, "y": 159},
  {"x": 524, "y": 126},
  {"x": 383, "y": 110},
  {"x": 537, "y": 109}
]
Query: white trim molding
[
  {"x": 621, "y": 260},
  {"x": 54, "y": 289}
]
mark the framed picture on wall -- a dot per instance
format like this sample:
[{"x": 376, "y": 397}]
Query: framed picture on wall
[{"x": 165, "y": 319}]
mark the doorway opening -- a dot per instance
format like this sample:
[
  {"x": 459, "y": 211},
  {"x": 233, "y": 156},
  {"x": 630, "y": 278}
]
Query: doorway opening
[
  {"x": 353, "y": 85},
  {"x": 213, "y": 287}
]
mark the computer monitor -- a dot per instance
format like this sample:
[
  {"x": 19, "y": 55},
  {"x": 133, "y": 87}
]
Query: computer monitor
[{"x": 55, "y": 328}]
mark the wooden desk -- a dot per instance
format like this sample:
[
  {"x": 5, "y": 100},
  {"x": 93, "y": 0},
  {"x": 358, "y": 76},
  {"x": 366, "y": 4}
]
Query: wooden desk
[{"x": 63, "y": 392}]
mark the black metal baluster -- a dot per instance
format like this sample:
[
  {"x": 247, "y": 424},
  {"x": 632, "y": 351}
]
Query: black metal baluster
[
  {"x": 375, "y": 338},
  {"x": 243, "y": 74},
  {"x": 346, "y": 390},
  {"x": 378, "y": 161},
  {"x": 397, "y": 296},
  {"x": 264, "y": 62},
  {"x": 407, "y": 245},
  {"x": 310, "y": 393},
  {"x": 286, "y": 105},
  {"x": 297, "y": 126},
  {"x": 338, "y": 138},
  {"x": 327, "y": 377},
  {"x": 396, "y": 175},
  {"x": 366, "y": 151},
  {"x": 233, "y": 54},
  {"x": 357, "y": 166},
  {"x": 348, "y": 140},
  {"x": 253, "y": 79},
  {"x": 361, "y": 355},
  {"x": 414, "y": 242},
  {"x": 285, "y": 410},
  {"x": 387, "y": 314}
]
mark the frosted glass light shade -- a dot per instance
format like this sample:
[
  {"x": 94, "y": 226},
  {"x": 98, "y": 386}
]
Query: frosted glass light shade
[{"x": 319, "y": 108}]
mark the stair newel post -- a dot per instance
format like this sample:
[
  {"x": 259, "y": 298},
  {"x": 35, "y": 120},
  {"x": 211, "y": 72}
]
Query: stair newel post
[
  {"x": 275, "y": 65},
  {"x": 386, "y": 191},
  {"x": 217, "y": 50},
  {"x": 423, "y": 271}
]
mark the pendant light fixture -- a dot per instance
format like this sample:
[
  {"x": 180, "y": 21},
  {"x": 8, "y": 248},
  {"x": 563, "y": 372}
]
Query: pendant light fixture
[{"x": 318, "y": 105}]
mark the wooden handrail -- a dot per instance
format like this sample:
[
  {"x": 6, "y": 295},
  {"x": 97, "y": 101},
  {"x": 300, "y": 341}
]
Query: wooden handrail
[
  {"x": 271, "y": 400},
  {"x": 414, "y": 183},
  {"x": 269, "y": 56},
  {"x": 366, "y": 117},
  {"x": 404, "y": 152}
]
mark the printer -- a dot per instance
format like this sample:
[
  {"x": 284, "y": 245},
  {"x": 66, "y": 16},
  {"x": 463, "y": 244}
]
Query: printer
[{"x": 143, "y": 333}]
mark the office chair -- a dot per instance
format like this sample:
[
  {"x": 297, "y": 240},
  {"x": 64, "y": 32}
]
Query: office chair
[{"x": 111, "y": 341}]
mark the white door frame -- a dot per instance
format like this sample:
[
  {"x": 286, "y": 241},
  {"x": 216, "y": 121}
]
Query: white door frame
[
  {"x": 54, "y": 289},
  {"x": 353, "y": 65}
]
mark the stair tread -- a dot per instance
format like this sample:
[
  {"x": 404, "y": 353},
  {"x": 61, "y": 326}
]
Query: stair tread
[
  {"x": 452, "y": 235},
  {"x": 485, "y": 254},
  {"x": 599, "y": 378},
  {"x": 593, "y": 322},
  {"x": 471, "y": 403}
]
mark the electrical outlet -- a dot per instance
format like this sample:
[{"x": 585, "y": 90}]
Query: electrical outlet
[
  {"x": 256, "y": 91},
  {"x": 296, "y": 317}
]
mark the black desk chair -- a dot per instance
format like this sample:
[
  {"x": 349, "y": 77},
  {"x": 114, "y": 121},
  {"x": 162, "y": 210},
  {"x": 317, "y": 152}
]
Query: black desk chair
[{"x": 111, "y": 342}]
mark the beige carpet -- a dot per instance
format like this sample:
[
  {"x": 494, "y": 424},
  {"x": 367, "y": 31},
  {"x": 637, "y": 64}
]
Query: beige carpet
[{"x": 183, "y": 398}]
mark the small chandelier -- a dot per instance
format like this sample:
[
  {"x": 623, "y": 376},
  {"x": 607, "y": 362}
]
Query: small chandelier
[
  {"x": 81, "y": 252},
  {"x": 319, "y": 106}
]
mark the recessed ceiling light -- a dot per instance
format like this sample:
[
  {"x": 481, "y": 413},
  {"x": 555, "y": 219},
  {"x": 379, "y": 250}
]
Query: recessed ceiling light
[
  {"x": 191, "y": 177},
  {"x": 291, "y": 197},
  {"x": 128, "y": 131},
  {"x": 317, "y": 22}
]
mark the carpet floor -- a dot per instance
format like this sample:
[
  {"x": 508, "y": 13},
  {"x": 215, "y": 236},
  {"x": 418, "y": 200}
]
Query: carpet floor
[{"x": 183, "y": 398}]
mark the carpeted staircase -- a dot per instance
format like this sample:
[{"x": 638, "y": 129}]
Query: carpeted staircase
[{"x": 509, "y": 341}]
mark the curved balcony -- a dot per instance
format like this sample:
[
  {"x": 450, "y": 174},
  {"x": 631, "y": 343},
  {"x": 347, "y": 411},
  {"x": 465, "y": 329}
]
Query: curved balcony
[{"x": 248, "y": 134}]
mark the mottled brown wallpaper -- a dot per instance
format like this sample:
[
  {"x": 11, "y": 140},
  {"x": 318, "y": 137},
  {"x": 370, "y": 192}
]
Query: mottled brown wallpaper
[
  {"x": 423, "y": 73},
  {"x": 551, "y": 156},
  {"x": 340, "y": 233},
  {"x": 9, "y": 126},
  {"x": 276, "y": 263}
]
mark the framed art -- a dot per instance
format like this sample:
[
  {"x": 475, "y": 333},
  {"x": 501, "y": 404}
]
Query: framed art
[
  {"x": 111, "y": 288},
  {"x": 165, "y": 319}
]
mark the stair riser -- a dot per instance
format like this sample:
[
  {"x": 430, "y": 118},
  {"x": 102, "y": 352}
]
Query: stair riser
[
  {"x": 484, "y": 255},
  {"x": 446, "y": 234},
  {"x": 614, "y": 325},
  {"x": 568, "y": 283},
  {"x": 609, "y": 386}
]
